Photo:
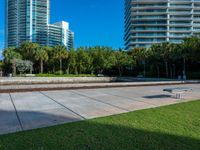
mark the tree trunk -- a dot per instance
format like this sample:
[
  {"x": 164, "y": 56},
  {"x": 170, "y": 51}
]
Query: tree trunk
[
  {"x": 41, "y": 66},
  {"x": 53, "y": 68},
  {"x": 174, "y": 71},
  {"x": 171, "y": 72},
  {"x": 80, "y": 71},
  {"x": 166, "y": 68},
  {"x": 14, "y": 69},
  {"x": 120, "y": 72},
  {"x": 60, "y": 66},
  {"x": 76, "y": 70},
  {"x": 184, "y": 66},
  {"x": 158, "y": 71},
  {"x": 31, "y": 69},
  {"x": 68, "y": 69},
  {"x": 144, "y": 69}
]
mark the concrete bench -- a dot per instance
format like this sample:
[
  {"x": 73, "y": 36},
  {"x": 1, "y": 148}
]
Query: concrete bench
[
  {"x": 178, "y": 91},
  {"x": 29, "y": 75}
]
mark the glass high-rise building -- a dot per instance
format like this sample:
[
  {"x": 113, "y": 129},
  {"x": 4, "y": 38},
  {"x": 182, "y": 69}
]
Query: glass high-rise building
[
  {"x": 28, "y": 20},
  {"x": 59, "y": 34},
  {"x": 154, "y": 21}
]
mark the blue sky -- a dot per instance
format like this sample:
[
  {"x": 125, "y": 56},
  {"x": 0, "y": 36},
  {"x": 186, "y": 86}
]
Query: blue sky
[{"x": 95, "y": 22}]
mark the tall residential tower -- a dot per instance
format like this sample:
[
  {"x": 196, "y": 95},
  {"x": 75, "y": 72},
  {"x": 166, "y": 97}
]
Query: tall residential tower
[
  {"x": 155, "y": 21},
  {"x": 28, "y": 20}
]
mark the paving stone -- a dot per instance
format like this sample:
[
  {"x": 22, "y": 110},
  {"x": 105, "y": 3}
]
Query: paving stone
[
  {"x": 121, "y": 102},
  {"x": 86, "y": 107},
  {"x": 8, "y": 119},
  {"x": 45, "y": 118},
  {"x": 33, "y": 101},
  {"x": 36, "y": 110}
]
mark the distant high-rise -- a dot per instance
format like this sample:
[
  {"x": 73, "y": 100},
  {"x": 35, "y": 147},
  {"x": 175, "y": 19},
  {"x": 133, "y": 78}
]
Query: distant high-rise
[
  {"x": 154, "y": 21},
  {"x": 59, "y": 33},
  {"x": 28, "y": 20}
]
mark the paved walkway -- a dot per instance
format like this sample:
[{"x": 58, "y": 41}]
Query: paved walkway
[{"x": 30, "y": 110}]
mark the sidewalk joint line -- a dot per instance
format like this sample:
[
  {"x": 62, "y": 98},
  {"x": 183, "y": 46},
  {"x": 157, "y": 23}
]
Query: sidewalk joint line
[
  {"x": 97, "y": 100},
  {"x": 16, "y": 112},
  {"x": 130, "y": 98},
  {"x": 133, "y": 99},
  {"x": 63, "y": 105}
]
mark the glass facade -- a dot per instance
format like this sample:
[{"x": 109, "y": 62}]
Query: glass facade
[
  {"x": 155, "y": 21},
  {"x": 28, "y": 20},
  {"x": 59, "y": 35},
  {"x": 11, "y": 23}
]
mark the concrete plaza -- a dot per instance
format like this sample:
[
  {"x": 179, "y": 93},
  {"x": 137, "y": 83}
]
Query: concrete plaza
[{"x": 30, "y": 110}]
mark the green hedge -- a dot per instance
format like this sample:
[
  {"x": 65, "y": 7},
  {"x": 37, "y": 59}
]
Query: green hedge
[
  {"x": 194, "y": 75},
  {"x": 65, "y": 75}
]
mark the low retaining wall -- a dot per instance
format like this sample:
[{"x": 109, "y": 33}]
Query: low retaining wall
[
  {"x": 54, "y": 80},
  {"x": 49, "y": 87},
  {"x": 75, "y": 80}
]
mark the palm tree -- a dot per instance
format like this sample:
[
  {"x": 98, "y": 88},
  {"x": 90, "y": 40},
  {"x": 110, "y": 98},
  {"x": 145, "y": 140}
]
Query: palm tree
[
  {"x": 155, "y": 55},
  {"x": 166, "y": 51},
  {"x": 90, "y": 66},
  {"x": 141, "y": 55},
  {"x": 82, "y": 60},
  {"x": 28, "y": 49},
  {"x": 51, "y": 59},
  {"x": 60, "y": 53},
  {"x": 110, "y": 57},
  {"x": 122, "y": 60},
  {"x": 190, "y": 45},
  {"x": 42, "y": 56},
  {"x": 175, "y": 56},
  {"x": 72, "y": 64},
  {"x": 10, "y": 55}
]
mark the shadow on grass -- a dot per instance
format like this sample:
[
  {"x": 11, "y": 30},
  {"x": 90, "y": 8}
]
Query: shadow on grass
[{"x": 92, "y": 134}]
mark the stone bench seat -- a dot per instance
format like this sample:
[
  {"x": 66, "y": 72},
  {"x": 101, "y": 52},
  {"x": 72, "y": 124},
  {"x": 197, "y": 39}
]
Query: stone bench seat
[{"x": 178, "y": 91}]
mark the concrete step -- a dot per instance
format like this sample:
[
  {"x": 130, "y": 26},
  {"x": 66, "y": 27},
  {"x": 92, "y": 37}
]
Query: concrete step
[{"x": 47, "y": 87}]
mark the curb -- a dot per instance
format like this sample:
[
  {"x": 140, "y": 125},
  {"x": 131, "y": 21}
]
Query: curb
[{"x": 51, "y": 87}]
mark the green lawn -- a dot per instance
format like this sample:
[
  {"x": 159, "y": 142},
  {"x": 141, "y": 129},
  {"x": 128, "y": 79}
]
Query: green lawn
[{"x": 173, "y": 127}]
